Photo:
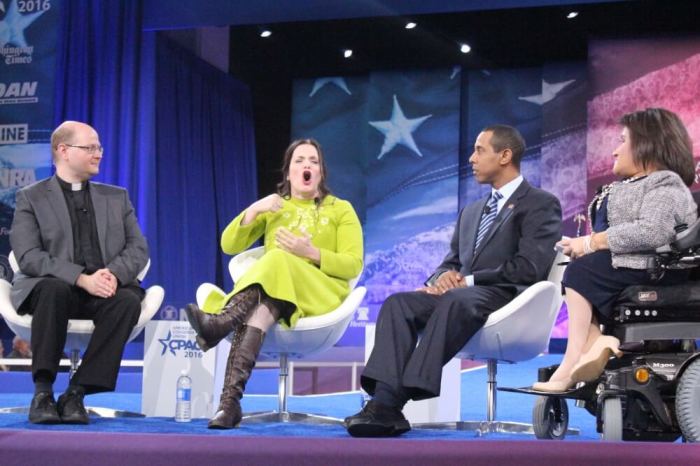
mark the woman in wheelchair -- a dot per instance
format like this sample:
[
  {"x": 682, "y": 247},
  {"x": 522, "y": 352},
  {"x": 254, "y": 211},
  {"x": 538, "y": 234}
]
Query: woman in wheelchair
[
  {"x": 629, "y": 219},
  {"x": 313, "y": 246}
]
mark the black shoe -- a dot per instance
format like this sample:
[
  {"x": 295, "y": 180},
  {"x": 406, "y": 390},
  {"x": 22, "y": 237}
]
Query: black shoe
[
  {"x": 377, "y": 420},
  {"x": 71, "y": 408},
  {"x": 43, "y": 409}
]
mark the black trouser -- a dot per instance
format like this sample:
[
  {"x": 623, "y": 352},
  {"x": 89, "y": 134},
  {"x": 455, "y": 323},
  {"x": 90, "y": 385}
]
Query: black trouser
[
  {"x": 445, "y": 323},
  {"x": 53, "y": 302}
]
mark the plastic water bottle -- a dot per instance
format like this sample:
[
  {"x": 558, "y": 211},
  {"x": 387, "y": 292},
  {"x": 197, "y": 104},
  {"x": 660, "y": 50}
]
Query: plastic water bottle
[{"x": 183, "y": 403}]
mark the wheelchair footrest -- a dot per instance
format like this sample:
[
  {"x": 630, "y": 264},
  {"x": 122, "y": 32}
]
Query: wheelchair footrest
[{"x": 573, "y": 393}]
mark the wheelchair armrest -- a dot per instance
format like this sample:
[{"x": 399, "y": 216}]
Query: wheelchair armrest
[{"x": 686, "y": 239}]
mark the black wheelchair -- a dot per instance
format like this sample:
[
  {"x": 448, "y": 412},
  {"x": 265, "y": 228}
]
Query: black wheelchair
[{"x": 651, "y": 393}]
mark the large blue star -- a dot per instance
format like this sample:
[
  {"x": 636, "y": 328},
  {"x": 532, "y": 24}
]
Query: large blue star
[
  {"x": 164, "y": 342},
  {"x": 13, "y": 26},
  {"x": 398, "y": 130},
  {"x": 338, "y": 81}
]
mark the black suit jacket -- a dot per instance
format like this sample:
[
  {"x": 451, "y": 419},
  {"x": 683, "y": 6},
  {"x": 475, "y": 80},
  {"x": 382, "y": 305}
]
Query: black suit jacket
[{"x": 518, "y": 250}]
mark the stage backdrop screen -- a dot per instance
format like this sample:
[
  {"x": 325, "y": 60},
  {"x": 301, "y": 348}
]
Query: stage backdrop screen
[{"x": 397, "y": 143}]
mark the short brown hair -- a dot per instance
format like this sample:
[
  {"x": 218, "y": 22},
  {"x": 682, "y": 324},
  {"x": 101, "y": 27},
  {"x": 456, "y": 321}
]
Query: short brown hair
[
  {"x": 507, "y": 137},
  {"x": 660, "y": 140},
  {"x": 61, "y": 135}
]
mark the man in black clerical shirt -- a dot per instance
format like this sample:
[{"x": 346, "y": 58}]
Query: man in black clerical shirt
[{"x": 79, "y": 250}]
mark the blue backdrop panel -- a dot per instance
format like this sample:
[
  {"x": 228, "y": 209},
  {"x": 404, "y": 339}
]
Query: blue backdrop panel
[
  {"x": 105, "y": 77},
  {"x": 333, "y": 111},
  {"x": 412, "y": 187},
  {"x": 185, "y": 153},
  {"x": 205, "y": 173},
  {"x": 411, "y": 135},
  {"x": 564, "y": 122},
  {"x": 506, "y": 96},
  {"x": 391, "y": 143},
  {"x": 28, "y": 32}
]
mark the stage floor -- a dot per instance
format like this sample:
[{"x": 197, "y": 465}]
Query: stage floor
[{"x": 159, "y": 440}]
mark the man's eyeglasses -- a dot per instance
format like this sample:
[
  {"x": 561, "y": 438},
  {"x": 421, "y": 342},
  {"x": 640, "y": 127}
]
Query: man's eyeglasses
[{"x": 89, "y": 149}]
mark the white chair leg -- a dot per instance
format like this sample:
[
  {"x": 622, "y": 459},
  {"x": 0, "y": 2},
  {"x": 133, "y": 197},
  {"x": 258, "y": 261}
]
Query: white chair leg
[
  {"x": 282, "y": 387},
  {"x": 282, "y": 414}
]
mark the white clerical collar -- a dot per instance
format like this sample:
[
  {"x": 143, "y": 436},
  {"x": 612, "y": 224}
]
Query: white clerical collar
[{"x": 71, "y": 186}]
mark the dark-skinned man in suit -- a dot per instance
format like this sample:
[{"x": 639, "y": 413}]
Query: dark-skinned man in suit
[{"x": 501, "y": 245}]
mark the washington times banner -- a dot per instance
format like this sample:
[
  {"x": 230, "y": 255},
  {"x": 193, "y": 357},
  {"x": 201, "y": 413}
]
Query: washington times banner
[{"x": 28, "y": 33}]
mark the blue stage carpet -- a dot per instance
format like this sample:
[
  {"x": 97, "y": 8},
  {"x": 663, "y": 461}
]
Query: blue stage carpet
[{"x": 511, "y": 406}]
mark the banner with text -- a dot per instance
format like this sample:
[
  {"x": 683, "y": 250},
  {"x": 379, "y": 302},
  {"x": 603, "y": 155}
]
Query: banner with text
[{"x": 28, "y": 33}]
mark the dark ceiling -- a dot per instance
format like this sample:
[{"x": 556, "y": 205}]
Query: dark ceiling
[
  {"x": 179, "y": 14},
  {"x": 504, "y": 38},
  {"x": 499, "y": 38}
]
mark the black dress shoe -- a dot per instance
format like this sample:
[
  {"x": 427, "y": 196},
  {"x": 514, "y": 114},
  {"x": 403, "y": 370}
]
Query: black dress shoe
[
  {"x": 377, "y": 420},
  {"x": 71, "y": 408},
  {"x": 43, "y": 409}
]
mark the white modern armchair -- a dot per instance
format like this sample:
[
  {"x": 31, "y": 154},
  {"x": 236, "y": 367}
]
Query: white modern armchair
[
  {"x": 309, "y": 336},
  {"x": 79, "y": 330},
  {"x": 518, "y": 331}
]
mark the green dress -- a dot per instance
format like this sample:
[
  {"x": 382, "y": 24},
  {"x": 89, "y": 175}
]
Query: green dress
[{"x": 315, "y": 290}]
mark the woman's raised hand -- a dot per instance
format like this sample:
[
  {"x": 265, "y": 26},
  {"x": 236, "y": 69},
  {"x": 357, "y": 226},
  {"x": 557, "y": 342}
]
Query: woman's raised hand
[{"x": 271, "y": 203}]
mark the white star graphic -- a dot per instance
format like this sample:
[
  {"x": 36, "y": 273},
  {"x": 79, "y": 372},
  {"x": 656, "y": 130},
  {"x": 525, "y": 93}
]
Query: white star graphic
[
  {"x": 549, "y": 92},
  {"x": 398, "y": 130},
  {"x": 338, "y": 81},
  {"x": 13, "y": 26}
]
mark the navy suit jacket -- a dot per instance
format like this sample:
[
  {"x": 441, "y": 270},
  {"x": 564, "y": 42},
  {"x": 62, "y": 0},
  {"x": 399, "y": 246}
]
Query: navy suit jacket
[{"x": 517, "y": 251}]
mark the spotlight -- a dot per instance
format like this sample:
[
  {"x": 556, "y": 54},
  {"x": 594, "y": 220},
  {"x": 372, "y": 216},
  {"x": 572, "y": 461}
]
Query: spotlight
[
  {"x": 347, "y": 53},
  {"x": 410, "y": 25},
  {"x": 265, "y": 33},
  {"x": 572, "y": 15},
  {"x": 465, "y": 48}
]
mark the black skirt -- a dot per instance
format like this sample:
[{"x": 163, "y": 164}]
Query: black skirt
[{"x": 594, "y": 277}]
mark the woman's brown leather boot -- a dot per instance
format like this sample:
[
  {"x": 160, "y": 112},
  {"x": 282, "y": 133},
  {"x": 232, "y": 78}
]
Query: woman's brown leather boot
[
  {"x": 241, "y": 361},
  {"x": 212, "y": 328}
]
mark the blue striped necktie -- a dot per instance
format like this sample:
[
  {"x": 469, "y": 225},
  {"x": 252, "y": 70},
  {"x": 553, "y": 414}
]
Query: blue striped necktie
[{"x": 487, "y": 217}]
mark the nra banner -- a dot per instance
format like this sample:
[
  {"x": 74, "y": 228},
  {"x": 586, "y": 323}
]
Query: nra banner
[{"x": 28, "y": 33}]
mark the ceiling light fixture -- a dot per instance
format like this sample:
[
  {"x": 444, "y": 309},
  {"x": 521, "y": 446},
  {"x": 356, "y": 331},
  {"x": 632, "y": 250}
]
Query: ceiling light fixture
[
  {"x": 572, "y": 15},
  {"x": 265, "y": 33},
  {"x": 465, "y": 48},
  {"x": 347, "y": 53},
  {"x": 410, "y": 25}
]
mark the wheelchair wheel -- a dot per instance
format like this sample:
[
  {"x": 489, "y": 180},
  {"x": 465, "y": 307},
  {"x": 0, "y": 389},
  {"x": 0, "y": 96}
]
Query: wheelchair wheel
[
  {"x": 688, "y": 402},
  {"x": 612, "y": 419},
  {"x": 550, "y": 418}
]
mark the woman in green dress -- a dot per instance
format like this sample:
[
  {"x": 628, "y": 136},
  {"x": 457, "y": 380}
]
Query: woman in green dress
[{"x": 313, "y": 247}]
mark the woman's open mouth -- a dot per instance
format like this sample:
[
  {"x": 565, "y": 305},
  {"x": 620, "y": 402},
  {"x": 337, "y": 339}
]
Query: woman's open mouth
[{"x": 307, "y": 176}]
